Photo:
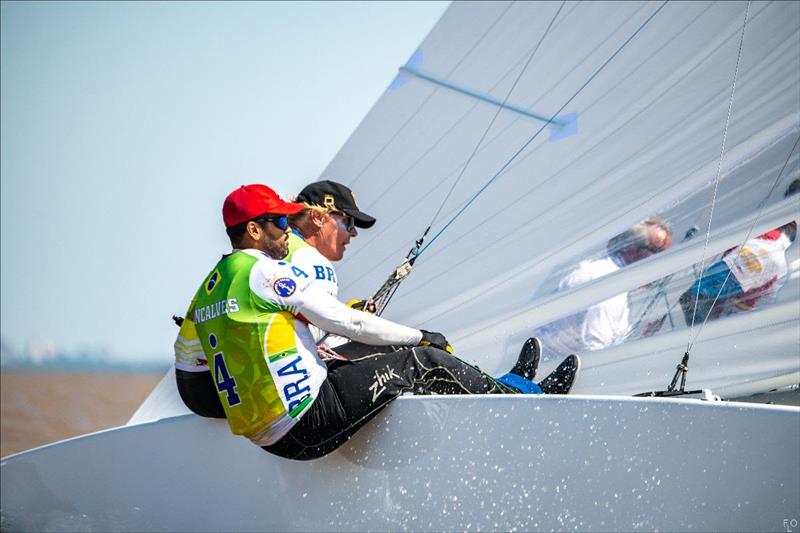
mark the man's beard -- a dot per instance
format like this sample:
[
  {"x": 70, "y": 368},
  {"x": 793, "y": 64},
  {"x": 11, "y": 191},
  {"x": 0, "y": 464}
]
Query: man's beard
[{"x": 277, "y": 249}]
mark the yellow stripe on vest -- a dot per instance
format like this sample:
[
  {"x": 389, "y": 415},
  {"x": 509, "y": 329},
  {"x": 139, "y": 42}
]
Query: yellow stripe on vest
[{"x": 279, "y": 340}]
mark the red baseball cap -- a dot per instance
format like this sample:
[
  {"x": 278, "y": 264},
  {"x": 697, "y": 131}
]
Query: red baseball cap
[{"x": 251, "y": 201}]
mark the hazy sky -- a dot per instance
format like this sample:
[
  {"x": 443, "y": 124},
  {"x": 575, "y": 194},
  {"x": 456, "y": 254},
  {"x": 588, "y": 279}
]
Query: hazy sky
[{"x": 124, "y": 125}]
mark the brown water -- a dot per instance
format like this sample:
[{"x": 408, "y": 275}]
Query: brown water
[{"x": 38, "y": 408}]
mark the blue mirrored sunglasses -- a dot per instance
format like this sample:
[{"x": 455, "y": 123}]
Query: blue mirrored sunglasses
[{"x": 280, "y": 221}]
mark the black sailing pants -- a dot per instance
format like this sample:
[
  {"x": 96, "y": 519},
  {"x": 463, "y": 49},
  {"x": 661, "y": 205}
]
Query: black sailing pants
[
  {"x": 358, "y": 389},
  {"x": 199, "y": 394}
]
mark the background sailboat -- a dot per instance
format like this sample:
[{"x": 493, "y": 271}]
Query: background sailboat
[{"x": 638, "y": 94}]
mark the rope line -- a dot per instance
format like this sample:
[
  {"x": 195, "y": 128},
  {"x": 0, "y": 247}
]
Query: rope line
[
  {"x": 549, "y": 121},
  {"x": 719, "y": 173}
]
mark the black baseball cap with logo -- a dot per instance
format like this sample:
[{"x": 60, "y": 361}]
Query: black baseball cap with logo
[{"x": 337, "y": 197}]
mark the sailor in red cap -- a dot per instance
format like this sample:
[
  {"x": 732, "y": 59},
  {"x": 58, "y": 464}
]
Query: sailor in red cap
[{"x": 257, "y": 217}]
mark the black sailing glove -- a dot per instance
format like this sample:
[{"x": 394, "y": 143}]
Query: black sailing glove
[{"x": 437, "y": 340}]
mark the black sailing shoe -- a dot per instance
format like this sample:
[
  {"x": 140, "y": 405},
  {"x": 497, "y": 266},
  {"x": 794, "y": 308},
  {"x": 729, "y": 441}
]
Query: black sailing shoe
[
  {"x": 528, "y": 360},
  {"x": 561, "y": 379}
]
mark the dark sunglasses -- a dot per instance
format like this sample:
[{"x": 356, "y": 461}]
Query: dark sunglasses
[
  {"x": 280, "y": 221},
  {"x": 347, "y": 222}
]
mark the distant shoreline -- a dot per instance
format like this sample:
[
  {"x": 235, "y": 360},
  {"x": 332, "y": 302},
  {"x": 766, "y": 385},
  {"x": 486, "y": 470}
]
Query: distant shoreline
[
  {"x": 88, "y": 369},
  {"x": 41, "y": 405}
]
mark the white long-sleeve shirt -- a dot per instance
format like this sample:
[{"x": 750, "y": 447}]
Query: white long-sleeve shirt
[{"x": 593, "y": 328}]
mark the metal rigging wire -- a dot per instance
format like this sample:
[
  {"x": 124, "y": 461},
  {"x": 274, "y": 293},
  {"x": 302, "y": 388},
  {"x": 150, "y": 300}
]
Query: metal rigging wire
[
  {"x": 719, "y": 171},
  {"x": 568, "y": 165}
]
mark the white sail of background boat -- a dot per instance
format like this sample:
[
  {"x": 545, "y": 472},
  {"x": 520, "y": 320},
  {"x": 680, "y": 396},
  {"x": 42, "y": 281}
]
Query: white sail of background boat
[{"x": 526, "y": 135}]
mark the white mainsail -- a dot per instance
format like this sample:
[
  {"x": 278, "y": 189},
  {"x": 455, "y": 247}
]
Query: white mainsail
[
  {"x": 645, "y": 91},
  {"x": 650, "y": 126}
]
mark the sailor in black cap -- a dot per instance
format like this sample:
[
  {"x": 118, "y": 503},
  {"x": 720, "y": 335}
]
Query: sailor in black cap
[
  {"x": 331, "y": 218},
  {"x": 322, "y": 231}
]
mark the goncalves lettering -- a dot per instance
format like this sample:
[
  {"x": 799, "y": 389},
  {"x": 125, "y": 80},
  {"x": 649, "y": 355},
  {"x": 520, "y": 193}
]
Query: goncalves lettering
[{"x": 216, "y": 309}]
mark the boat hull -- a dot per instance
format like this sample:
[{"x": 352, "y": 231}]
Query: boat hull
[{"x": 432, "y": 463}]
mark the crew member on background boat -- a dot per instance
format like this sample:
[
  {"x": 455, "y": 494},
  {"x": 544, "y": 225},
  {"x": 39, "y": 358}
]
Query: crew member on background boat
[
  {"x": 605, "y": 323},
  {"x": 745, "y": 278},
  {"x": 251, "y": 314}
]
